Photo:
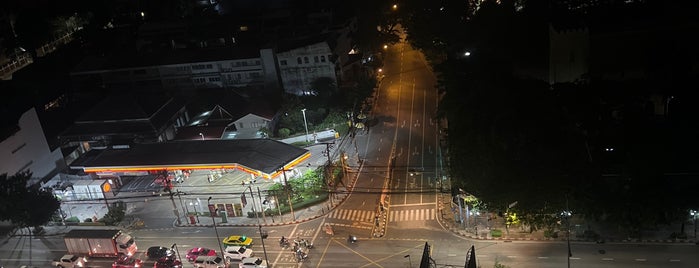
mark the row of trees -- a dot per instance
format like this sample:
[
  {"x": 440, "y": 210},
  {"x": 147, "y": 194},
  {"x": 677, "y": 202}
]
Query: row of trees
[{"x": 513, "y": 139}]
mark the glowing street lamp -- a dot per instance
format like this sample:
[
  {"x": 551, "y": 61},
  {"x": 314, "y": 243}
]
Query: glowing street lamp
[{"x": 395, "y": 7}]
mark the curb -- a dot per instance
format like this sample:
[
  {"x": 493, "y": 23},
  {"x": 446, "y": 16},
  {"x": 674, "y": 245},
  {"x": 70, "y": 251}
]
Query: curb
[{"x": 630, "y": 241}]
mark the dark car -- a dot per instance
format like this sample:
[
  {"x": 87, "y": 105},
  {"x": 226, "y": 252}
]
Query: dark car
[{"x": 158, "y": 252}]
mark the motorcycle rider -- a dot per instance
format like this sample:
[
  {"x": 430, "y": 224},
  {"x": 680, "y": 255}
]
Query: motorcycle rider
[{"x": 283, "y": 241}]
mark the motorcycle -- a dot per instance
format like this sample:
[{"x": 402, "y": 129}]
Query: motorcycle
[
  {"x": 284, "y": 243},
  {"x": 300, "y": 255},
  {"x": 352, "y": 239}
]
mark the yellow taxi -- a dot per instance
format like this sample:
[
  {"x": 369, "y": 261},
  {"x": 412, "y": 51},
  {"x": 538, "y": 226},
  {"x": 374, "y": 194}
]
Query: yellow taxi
[{"x": 237, "y": 240}]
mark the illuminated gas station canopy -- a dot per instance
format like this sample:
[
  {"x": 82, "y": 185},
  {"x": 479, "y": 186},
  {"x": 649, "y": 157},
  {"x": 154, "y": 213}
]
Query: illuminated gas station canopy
[{"x": 260, "y": 157}]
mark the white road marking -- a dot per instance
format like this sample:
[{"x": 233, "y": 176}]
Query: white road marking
[
  {"x": 640, "y": 259},
  {"x": 607, "y": 259},
  {"x": 543, "y": 257},
  {"x": 674, "y": 260}
]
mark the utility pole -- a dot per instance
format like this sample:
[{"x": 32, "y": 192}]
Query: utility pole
[
  {"x": 288, "y": 195},
  {"x": 259, "y": 197},
  {"x": 172, "y": 199}
]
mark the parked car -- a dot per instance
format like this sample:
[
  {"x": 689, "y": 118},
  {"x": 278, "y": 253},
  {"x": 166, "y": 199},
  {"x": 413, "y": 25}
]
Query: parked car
[
  {"x": 237, "y": 240},
  {"x": 209, "y": 262},
  {"x": 167, "y": 262},
  {"x": 253, "y": 263},
  {"x": 192, "y": 254},
  {"x": 237, "y": 253},
  {"x": 124, "y": 261},
  {"x": 158, "y": 252}
]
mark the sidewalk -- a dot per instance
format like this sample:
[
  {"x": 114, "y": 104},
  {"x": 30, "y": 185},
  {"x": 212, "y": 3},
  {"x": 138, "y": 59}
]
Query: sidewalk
[{"x": 480, "y": 228}]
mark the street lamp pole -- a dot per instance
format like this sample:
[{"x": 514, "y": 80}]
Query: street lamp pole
[
  {"x": 218, "y": 239},
  {"x": 263, "y": 236},
  {"x": 176, "y": 250},
  {"x": 694, "y": 216},
  {"x": 305, "y": 123},
  {"x": 196, "y": 213},
  {"x": 568, "y": 214},
  {"x": 288, "y": 195},
  {"x": 202, "y": 135}
]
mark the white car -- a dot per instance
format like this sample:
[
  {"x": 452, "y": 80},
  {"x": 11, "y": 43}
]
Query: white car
[
  {"x": 209, "y": 262},
  {"x": 237, "y": 253},
  {"x": 253, "y": 263}
]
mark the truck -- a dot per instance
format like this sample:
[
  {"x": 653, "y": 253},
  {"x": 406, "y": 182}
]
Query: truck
[
  {"x": 69, "y": 261},
  {"x": 100, "y": 243}
]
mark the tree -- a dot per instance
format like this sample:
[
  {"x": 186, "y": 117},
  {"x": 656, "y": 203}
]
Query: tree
[{"x": 25, "y": 206}]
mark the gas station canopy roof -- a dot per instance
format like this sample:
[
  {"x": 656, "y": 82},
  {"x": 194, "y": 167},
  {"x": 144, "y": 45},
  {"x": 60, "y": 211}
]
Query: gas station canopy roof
[{"x": 262, "y": 157}]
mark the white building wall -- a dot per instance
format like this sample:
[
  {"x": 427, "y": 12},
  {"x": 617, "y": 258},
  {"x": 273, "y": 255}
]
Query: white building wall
[
  {"x": 300, "y": 67},
  {"x": 28, "y": 150}
]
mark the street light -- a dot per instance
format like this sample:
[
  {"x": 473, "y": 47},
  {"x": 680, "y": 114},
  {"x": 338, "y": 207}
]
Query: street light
[
  {"x": 176, "y": 250},
  {"x": 262, "y": 238},
  {"x": 567, "y": 214},
  {"x": 218, "y": 239},
  {"x": 202, "y": 135},
  {"x": 694, "y": 216},
  {"x": 305, "y": 123},
  {"x": 196, "y": 213}
]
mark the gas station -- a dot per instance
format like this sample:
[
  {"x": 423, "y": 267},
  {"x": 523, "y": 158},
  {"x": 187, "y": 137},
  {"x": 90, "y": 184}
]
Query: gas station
[{"x": 136, "y": 168}]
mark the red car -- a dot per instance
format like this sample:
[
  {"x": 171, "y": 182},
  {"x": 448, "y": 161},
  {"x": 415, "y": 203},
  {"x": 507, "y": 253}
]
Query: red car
[
  {"x": 192, "y": 254},
  {"x": 124, "y": 261},
  {"x": 167, "y": 262}
]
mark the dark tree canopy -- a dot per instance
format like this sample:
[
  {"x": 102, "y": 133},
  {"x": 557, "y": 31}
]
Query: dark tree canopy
[{"x": 25, "y": 206}]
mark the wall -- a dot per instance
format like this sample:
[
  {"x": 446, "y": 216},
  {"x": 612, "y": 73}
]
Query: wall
[
  {"x": 297, "y": 77},
  {"x": 28, "y": 149}
]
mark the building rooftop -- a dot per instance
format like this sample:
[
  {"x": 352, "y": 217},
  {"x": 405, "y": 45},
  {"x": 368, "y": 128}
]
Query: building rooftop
[{"x": 263, "y": 157}]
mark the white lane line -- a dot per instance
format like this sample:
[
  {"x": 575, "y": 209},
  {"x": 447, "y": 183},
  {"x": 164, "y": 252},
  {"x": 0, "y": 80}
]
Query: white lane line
[
  {"x": 574, "y": 258},
  {"x": 607, "y": 259},
  {"x": 511, "y": 256},
  {"x": 640, "y": 259},
  {"x": 541, "y": 257},
  {"x": 674, "y": 260}
]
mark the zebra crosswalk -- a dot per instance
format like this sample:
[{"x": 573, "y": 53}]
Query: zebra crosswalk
[
  {"x": 393, "y": 215},
  {"x": 411, "y": 215},
  {"x": 353, "y": 215}
]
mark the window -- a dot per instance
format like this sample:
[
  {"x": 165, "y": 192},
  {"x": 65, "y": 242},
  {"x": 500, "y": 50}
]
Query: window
[
  {"x": 322, "y": 58},
  {"x": 315, "y": 59},
  {"x": 240, "y": 125},
  {"x": 305, "y": 59},
  {"x": 282, "y": 62},
  {"x": 257, "y": 62},
  {"x": 214, "y": 79},
  {"x": 298, "y": 60}
]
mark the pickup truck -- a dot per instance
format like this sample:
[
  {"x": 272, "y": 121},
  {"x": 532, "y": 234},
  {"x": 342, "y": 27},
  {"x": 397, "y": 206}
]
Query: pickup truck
[{"x": 69, "y": 261}]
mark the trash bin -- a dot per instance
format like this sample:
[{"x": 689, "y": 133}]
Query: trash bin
[{"x": 192, "y": 220}]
